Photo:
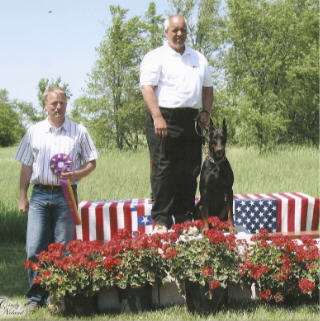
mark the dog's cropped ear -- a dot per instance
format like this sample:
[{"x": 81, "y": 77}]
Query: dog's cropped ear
[{"x": 224, "y": 126}]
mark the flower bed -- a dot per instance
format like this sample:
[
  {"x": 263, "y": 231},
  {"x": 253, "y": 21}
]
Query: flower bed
[{"x": 282, "y": 268}]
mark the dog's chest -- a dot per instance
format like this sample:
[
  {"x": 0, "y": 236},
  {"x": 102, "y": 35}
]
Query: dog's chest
[{"x": 218, "y": 175}]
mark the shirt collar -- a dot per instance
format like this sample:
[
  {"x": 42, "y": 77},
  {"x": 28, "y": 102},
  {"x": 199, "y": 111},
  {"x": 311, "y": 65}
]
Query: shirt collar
[
  {"x": 187, "y": 49},
  {"x": 49, "y": 128}
]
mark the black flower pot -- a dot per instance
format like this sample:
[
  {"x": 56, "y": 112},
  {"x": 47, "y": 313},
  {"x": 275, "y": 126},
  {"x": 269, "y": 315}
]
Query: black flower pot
[
  {"x": 80, "y": 304},
  {"x": 135, "y": 300},
  {"x": 198, "y": 302}
]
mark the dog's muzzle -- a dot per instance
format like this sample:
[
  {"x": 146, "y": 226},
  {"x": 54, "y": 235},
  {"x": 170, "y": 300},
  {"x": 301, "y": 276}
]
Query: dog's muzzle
[{"x": 219, "y": 153}]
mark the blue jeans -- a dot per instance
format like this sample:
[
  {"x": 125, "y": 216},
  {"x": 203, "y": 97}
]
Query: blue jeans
[{"x": 49, "y": 221}]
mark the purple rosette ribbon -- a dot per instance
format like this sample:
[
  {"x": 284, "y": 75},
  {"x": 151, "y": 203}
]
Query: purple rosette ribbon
[{"x": 61, "y": 163}]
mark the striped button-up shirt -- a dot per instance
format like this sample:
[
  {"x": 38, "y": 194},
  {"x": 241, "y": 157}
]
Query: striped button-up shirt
[{"x": 42, "y": 141}]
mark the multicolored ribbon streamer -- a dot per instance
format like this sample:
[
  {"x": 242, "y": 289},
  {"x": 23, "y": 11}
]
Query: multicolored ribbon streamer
[{"x": 59, "y": 164}]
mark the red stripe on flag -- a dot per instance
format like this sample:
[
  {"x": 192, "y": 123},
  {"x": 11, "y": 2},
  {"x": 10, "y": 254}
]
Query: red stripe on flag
[
  {"x": 127, "y": 216},
  {"x": 113, "y": 219},
  {"x": 315, "y": 216},
  {"x": 235, "y": 197},
  {"x": 246, "y": 196},
  {"x": 99, "y": 222},
  {"x": 304, "y": 211},
  {"x": 85, "y": 221},
  {"x": 279, "y": 210},
  {"x": 258, "y": 196},
  {"x": 291, "y": 210},
  {"x": 140, "y": 212}
]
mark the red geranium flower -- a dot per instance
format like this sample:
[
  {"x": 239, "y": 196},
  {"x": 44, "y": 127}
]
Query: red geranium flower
[
  {"x": 170, "y": 253},
  {"x": 53, "y": 247},
  {"x": 36, "y": 266},
  {"x": 108, "y": 262},
  {"x": 28, "y": 264},
  {"x": 206, "y": 271},
  {"x": 214, "y": 284},
  {"x": 91, "y": 265},
  {"x": 46, "y": 273},
  {"x": 37, "y": 280},
  {"x": 305, "y": 285},
  {"x": 266, "y": 295}
]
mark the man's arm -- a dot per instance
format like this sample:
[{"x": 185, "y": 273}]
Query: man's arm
[
  {"x": 207, "y": 101},
  {"x": 25, "y": 176},
  {"x": 150, "y": 99},
  {"x": 81, "y": 172}
]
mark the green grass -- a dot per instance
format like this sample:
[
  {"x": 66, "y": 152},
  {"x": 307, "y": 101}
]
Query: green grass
[
  {"x": 291, "y": 169},
  {"x": 126, "y": 175},
  {"x": 13, "y": 280}
]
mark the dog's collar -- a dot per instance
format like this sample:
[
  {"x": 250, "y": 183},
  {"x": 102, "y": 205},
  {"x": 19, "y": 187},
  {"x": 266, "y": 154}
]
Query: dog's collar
[{"x": 211, "y": 160}]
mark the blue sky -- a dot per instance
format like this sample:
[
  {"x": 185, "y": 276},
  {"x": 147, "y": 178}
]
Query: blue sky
[{"x": 37, "y": 44}]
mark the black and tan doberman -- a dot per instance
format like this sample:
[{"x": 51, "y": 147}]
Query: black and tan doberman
[{"x": 216, "y": 180}]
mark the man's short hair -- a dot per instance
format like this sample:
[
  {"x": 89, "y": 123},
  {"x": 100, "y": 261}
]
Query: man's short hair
[
  {"x": 167, "y": 21},
  {"x": 55, "y": 89}
]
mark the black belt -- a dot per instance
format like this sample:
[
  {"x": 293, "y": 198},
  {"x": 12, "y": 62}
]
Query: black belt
[
  {"x": 181, "y": 109},
  {"x": 48, "y": 187}
]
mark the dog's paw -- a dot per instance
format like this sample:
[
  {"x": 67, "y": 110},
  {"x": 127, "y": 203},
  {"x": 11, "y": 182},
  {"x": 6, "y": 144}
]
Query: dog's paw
[
  {"x": 192, "y": 230},
  {"x": 205, "y": 228}
]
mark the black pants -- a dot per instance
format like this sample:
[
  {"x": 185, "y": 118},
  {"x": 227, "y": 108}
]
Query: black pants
[{"x": 176, "y": 163}]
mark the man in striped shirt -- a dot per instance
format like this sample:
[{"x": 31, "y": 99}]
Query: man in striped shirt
[{"x": 48, "y": 214}]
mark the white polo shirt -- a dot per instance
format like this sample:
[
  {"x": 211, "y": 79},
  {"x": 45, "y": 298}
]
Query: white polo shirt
[
  {"x": 42, "y": 141},
  {"x": 178, "y": 78}
]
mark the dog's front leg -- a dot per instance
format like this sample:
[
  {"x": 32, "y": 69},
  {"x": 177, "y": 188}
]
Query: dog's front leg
[
  {"x": 232, "y": 228},
  {"x": 204, "y": 215}
]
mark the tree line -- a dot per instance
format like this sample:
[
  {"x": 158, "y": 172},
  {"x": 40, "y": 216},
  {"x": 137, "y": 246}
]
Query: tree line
[{"x": 264, "y": 60}]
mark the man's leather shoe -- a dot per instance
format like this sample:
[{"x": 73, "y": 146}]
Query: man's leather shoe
[{"x": 32, "y": 306}]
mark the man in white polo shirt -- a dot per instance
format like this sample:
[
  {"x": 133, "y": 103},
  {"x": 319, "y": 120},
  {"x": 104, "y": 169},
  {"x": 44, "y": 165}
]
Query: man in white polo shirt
[
  {"x": 177, "y": 88},
  {"x": 48, "y": 214}
]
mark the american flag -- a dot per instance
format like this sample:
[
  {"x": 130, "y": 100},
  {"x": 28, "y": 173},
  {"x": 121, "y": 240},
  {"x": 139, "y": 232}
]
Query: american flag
[
  {"x": 101, "y": 220},
  {"x": 286, "y": 212},
  {"x": 295, "y": 211},
  {"x": 254, "y": 215}
]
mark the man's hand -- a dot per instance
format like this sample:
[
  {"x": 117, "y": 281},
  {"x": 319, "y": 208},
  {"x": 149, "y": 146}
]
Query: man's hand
[
  {"x": 160, "y": 126},
  {"x": 204, "y": 118},
  {"x": 24, "y": 205},
  {"x": 25, "y": 176},
  {"x": 85, "y": 170},
  {"x": 72, "y": 176}
]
